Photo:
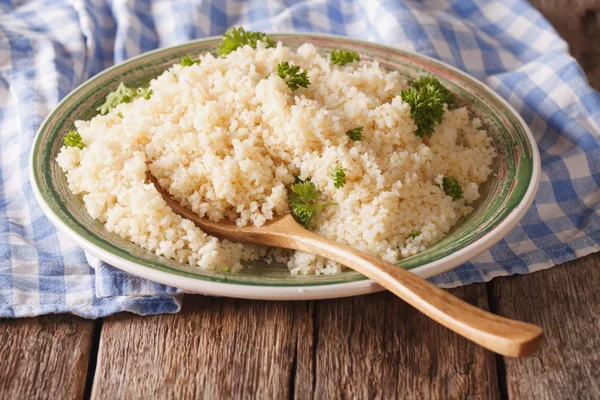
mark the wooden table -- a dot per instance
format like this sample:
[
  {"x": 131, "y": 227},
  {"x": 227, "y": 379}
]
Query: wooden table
[{"x": 371, "y": 346}]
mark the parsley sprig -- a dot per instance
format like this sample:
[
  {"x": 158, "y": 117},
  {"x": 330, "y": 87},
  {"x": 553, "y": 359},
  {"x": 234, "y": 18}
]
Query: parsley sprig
[
  {"x": 446, "y": 95},
  {"x": 302, "y": 202},
  {"x": 339, "y": 177},
  {"x": 234, "y": 38},
  {"x": 452, "y": 188},
  {"x": 355, "y": 134},
  {"x": 343, "y": 57},
  {"x": 292, "y": 75},
  {"x": 123, "y": 94},
  {"x": 73, "y": 139},
  {"x": 426, "y": 98},
  {"x": 187, "y": 61}
]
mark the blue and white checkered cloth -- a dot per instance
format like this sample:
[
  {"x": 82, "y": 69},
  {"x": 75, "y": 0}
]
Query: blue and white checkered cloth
[{"x": 48, "y": 47}]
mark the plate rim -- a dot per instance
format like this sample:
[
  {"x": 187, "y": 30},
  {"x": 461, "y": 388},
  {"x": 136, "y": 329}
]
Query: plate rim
[{"x": 299, "y": 292}]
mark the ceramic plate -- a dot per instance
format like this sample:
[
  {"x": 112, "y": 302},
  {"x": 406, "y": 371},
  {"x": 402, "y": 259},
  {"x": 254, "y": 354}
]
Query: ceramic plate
[{"x": 504, "y": 198}]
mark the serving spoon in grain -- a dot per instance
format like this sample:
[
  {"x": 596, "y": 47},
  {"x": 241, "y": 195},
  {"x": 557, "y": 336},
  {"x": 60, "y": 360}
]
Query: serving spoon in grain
[{"x": 501, "y": 335}]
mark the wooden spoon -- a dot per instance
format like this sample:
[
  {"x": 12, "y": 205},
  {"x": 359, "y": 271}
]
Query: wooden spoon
[{"x": 501, "y": 335}]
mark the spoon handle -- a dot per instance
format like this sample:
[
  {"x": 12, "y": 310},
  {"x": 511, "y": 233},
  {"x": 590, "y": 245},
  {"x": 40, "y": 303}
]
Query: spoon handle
[{"x": 498, "y": 334}]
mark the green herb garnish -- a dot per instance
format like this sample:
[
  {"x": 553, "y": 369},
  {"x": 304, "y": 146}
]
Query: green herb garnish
[
  {"x": 186, "y": 61},
  {"x": 73, "y": 139},
  {"x": 446, "y": 95},
  {"x": 339, "y": 177},
  {"x": 452, "y": 188},
  {"x": 426, "y": 108},
  {"x": 426, "y": 98},
  {"x": 413, "y": 234},
  {"x": 234, "y": 38},
  {"x": 343, "y": 57},
  {"x": 119, "y": 114},
  {"x": 355, "y": 133},
  {"x": 302, "y": 202},
  {"x": 292, "y": 76},
  {"x": 123, "y": 94}
]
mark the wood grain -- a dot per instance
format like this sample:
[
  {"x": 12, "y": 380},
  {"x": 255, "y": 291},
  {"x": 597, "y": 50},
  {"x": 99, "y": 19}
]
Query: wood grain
[
  {"x": 367, "y": 346},
  {"x": 215, "y": 348},
  {"x": 377, "y": 346},
  {"x": 44, "y": 357},
  {"x": 565, "y": 301},
  {"x": 578, "y": 22}
]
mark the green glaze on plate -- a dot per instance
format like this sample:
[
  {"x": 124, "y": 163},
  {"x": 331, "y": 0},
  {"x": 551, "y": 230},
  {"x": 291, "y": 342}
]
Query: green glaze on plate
[{"x": 505, "y": 197}]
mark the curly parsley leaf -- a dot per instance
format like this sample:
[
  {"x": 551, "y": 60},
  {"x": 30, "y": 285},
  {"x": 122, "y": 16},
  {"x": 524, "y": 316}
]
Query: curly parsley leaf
[
  {"x": 73, "y": 139},
  {"x": 123, "y": 94},
  {"x": 234, "y": 38},
  {"x": 292, "y": 75},
  {"x": 426, "y": 98},
  {"x": 355, "y": 134},
  {"x": 187, "y": 61},
  {"x": 302, "y": 202},
  {"x": 452, "y": 188},
  {"x": 343, "y": 57},
  {"x": 426, "y": 108},
  {"x": 339, "y": 177},
  {"x": 446, "y": 95}
]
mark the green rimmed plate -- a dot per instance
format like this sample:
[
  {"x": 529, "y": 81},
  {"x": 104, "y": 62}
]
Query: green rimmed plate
[{"x": 505, "y": 197}]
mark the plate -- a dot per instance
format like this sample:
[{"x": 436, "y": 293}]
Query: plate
[{"x": 504, "y": 198}]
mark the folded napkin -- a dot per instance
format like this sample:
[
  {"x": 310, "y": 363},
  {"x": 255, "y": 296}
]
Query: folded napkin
[{"x": 48, "y": 47}]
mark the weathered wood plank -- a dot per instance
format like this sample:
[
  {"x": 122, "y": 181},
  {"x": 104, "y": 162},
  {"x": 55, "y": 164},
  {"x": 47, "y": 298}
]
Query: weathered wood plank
[
  {"x": 578, "y": 22},
  {"x": 565, "y": 302},
  {"x": 379, "y": 347},
  {"x": 365, "y": 346},
  {"x": 215, "y": 348},
  {"x": 44, "y": 357}
]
